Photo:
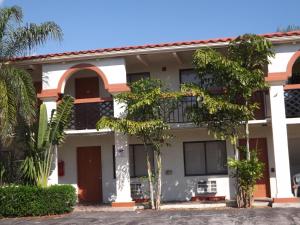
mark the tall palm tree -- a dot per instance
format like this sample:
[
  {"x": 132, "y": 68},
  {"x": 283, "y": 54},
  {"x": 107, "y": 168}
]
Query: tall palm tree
[{"x": 17, "y": 93}]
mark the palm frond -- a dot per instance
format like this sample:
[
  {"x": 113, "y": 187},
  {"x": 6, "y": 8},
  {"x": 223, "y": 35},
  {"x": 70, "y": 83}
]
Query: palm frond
[
  {"x": 60, "y": 120},
  {"x": 23, "y": 39}
]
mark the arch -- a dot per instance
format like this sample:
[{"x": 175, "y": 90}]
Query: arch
[
  {"x": 284, "y": 76},
  {"x": 78, "y": 67},
  {"x": 289, "y": 68}
]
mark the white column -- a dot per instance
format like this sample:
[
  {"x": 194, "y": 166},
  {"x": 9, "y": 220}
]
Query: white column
[
  {"x": 121, "y": 160},
  {"x": 280, "y": 141},
  {"x": 53, "y": 178}
]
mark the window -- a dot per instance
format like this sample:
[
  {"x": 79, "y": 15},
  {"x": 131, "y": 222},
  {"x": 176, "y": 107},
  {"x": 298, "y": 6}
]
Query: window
[
  {"x": 137, "y": 160},
  {"x": 205, "y": 158},
  {"x": 132, "y": 77},
  {"x": 191, "y": 76}
]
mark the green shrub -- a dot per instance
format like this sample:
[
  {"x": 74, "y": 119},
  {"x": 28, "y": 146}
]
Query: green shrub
[
  {"x": 36, "y": 201},
  {"x": 247, "y": 173}
]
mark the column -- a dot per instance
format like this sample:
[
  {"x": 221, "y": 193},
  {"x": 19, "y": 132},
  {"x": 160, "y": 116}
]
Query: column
[
  {"x": 280, "y": 141},
  {"x": 53, "y": 178},
  {"x": 123, "y": 198}
]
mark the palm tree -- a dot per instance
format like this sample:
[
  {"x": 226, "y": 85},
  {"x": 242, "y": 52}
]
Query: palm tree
[
  {"x": 17, "y": 93},
  {"x": 288, "y": 28}
]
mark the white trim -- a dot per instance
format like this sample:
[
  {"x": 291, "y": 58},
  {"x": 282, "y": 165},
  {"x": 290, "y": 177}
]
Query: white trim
[
  {"x": 293, "y": 120},
  {"x": 88, "y": 131}
]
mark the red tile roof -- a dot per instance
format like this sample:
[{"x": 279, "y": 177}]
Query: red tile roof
[{"x": 171, "y": 44}]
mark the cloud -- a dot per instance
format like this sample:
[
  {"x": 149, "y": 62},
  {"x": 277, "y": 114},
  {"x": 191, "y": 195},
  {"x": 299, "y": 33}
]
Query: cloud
[{"x": 1, "y": 2}]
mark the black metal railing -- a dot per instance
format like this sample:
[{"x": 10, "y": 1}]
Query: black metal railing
[
  {"x": 86, "y": 115},
  {"x": 177, "y": 111},
  {"x": 292, "y": 103}
]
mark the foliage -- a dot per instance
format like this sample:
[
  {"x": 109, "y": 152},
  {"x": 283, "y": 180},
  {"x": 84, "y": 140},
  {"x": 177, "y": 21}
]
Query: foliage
[
  {"x": 38, "y": 163},
  {"x": 235, "y": 75},
  {"x": 288, "y": 28},
  {"x": 36, "y": 201},
  {"x": 17, "y": 93},
  {"x": 143, "y": 119},
  {"x": 247, "y": 173}
]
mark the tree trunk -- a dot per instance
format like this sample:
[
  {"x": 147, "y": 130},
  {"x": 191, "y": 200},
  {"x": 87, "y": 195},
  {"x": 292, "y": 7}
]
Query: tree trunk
[
  {"x": 247, "y": 137},
  {"x": 158, "y": 184},
  {"x": 150, "y": 177}
]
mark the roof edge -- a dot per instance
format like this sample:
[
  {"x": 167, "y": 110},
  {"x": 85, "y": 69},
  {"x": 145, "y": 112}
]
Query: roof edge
[{"x": 277, "y": 37}]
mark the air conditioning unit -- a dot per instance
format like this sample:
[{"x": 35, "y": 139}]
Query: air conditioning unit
[
  {"x": 136, "y": 191},
  {"x": 207, "y": 187}
]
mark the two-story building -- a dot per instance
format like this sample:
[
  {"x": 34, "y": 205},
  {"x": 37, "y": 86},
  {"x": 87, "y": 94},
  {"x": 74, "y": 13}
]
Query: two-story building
[{"x": 108, "y": 167}]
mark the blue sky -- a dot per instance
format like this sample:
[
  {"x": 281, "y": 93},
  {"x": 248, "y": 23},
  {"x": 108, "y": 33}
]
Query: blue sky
[{"x": 91, "y": 24}]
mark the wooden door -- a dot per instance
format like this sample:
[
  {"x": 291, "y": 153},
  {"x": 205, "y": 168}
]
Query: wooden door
[
  {"x": 87, "y": 87},
  {"x": 262, "y": 187},
  {"x": 89, "y": 174}
]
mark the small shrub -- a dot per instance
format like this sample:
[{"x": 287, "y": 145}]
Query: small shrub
[
  {"x": 247, "y": 173},
  {"x": 36, "y": 201}
]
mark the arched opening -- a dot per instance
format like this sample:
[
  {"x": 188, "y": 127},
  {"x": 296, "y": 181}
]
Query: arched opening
[
  {"x": 85, "y": 84},
  {"x": 295, "y": 76},
  {"x": 88, "y": 85}
]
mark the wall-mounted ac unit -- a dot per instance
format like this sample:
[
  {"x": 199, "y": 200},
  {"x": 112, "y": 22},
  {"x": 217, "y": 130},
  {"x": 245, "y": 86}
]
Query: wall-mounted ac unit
[
  {"x": 207, "y": 187},
  {"x": 136, "y": 191}
]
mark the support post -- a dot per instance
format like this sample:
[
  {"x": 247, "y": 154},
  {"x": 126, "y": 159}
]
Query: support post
[
  {"x": 123, "y": 198},
  {"x": 280, "y": 142}
]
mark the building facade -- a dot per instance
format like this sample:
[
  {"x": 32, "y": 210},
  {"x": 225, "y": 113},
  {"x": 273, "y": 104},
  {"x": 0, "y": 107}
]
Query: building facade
[{"x": 108, "y": 167}]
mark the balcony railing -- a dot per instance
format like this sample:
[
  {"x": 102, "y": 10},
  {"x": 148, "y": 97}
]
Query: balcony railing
[
  {"x": 86, "y": 115},
  {"x": 179, "y": 110},
  {"x": 292, "y": 103},
  {"x": 87, "y": 112}
]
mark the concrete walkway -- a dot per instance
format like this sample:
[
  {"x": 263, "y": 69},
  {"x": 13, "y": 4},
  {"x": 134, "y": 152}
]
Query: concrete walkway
[{"x": 173, "y": 217}]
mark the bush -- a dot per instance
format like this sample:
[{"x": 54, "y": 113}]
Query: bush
[
  {"x": 247, "y": 173},
  {"x": 36, "y": 201}
]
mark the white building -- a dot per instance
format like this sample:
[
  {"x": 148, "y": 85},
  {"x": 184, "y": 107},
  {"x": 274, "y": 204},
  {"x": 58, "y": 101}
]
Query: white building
[{"x": 88, "y": 160}]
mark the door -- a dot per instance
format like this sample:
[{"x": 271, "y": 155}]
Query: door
[
  {"x": 89, "y": 174},
  {"x": 87, "y": 87},
  {"x": 262, "y": 187}
]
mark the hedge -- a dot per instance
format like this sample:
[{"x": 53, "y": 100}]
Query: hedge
[{"x": 35, "y": 201}]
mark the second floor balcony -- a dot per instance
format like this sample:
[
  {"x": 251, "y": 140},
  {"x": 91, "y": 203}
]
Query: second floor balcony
[
  {"x": 86, "y": 114},
  {"x": 88, "y": 111}
]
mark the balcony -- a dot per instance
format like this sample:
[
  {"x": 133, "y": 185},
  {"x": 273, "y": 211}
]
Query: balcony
[
  {"x": 292, "y": 103},
  {"x": 179, "y": 112},
  {"x": 87, "y": 112}
]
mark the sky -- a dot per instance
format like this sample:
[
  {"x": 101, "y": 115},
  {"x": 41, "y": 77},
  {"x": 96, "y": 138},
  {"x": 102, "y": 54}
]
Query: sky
[{"x": 92, "y": 24}]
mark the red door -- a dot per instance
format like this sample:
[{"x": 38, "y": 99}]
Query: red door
[
  {"x": 89, "y": 174},
  {"x": 262, "y": 187},
  {"x": 87, "y": 87}
]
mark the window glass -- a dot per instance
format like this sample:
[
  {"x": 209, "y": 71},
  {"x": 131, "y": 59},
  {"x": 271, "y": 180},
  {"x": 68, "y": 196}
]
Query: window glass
[
  {"x": 204, "y": 158},
  {"x": 194, "y": 158},
  {"x": 191, "y": 76},
  {"x": 137, "y": 160},
  {"x": 133, "y": 77},
  {"x": 140, "y": 160},
  {"x": 216, "y": 157}
]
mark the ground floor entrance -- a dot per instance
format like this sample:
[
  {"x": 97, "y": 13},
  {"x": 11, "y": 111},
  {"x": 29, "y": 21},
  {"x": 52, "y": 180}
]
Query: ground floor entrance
[
  {"x": 89, "y": 174},
  {"x": 262, "y": 187}
]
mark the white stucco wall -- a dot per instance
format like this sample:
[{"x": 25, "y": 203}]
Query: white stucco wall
[
  {"x": 67, "y": 153},
  {"x": 113, "y": 68},
  {"x": 283, "y": 54}
]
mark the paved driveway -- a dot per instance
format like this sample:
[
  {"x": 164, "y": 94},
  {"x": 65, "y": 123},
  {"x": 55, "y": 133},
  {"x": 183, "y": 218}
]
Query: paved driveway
[{"x": 193, "y": 217}]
